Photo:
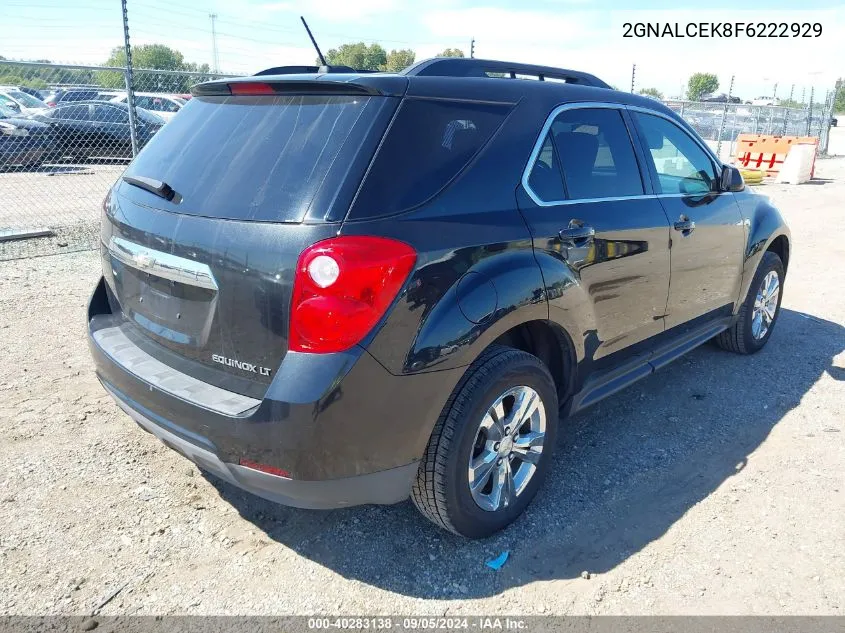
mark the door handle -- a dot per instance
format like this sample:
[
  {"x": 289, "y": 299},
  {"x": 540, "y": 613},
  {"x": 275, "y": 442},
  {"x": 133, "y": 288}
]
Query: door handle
[
  {"x": 577, "y": 235},
  {"x": 685, "y": 225}
]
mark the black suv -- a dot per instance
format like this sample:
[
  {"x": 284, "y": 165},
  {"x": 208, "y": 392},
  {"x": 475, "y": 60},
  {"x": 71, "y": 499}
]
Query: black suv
[{"x": 333, "y": 289}]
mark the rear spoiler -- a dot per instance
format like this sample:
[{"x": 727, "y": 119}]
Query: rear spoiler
[{"x": 305, "y": 84}]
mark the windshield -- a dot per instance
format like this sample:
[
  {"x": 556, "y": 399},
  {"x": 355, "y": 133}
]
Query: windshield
[{"x": 28, "y": 101}]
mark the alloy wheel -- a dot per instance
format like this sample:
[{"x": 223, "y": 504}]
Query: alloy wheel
[{"x": 507, "y": 448}]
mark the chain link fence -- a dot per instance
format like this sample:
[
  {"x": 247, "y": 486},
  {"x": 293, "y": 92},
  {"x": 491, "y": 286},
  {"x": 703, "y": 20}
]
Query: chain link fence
[
  {"x": 66, "y": 136},
  {"x": 720, "y": 124}
]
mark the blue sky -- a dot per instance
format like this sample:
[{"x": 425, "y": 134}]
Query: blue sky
[{"x": 582, "y": 34}]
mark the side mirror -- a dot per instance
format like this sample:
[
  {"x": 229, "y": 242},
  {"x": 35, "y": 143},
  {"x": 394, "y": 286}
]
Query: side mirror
[
  {"x": 13, "y": 106},
  {"x": 731, "y": 179}
]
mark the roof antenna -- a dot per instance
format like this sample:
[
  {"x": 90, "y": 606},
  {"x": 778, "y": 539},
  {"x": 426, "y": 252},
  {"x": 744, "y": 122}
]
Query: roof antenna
[{"x": 314, "y": 42}]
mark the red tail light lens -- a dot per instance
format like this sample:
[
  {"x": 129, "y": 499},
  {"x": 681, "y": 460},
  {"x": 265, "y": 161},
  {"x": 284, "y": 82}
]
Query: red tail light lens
[{"x": 342, "y": 287}]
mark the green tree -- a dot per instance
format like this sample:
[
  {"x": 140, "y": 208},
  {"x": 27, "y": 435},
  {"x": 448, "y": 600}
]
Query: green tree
[
  {"x": 789, "y": 103},
  {"x": 398, "y": 60},
  {"x": 451, "y": 52},
  {"x": 151, "y": 57},
  {"x": 654, "y": 93},
  {"x": 701, "y": 84},
  {"x": 358, "y": 55},
  {"x": 839, "y": 100}
]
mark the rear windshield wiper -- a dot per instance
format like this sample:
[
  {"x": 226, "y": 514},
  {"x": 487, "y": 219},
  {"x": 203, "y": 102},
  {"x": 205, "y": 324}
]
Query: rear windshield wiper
[{"x": 158, "y": 187}]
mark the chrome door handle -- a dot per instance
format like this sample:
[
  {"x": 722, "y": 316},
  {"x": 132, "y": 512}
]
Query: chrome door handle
[
  {"x": 577, "y": 235},
  {"x": 685, "y": 225}
]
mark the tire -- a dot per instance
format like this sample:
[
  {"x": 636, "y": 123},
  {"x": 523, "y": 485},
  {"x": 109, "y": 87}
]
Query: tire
[
  {"x": 441, "y": 490},
  {"x": 740, "y": 337}
]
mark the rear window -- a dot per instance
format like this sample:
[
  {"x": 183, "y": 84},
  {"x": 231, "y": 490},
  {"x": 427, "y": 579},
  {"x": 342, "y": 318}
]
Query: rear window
[
  {"x": 428, "y": 144},
  {"x": 27, "y": 100},
  {"x": 263, "y": 158}
]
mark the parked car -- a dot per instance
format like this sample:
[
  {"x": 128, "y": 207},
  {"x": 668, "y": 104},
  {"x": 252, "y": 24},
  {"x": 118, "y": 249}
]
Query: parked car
[
  {"x": 89, "y": 130},
  {"x": 24, "y": 142},
  {"x": 721, "y": 98},
  {"x": 331, "y": 293},
  {"x": 166, "y": 106},
  {"x": 20, "y": 102},
  {"x": 62, "y": 95},
  {"x": 30, "y": 91},
  {"x": 764, "y": 101}
]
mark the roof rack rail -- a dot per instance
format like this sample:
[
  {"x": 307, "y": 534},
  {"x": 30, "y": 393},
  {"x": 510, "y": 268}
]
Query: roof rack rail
[
  {"x": 300, "y": 70},
  {"x": 471, "y": 67}
]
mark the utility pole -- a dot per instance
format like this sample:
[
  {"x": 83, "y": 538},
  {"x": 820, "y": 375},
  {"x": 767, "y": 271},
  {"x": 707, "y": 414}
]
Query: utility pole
[
  {"x": 810, "y": 111},
  {"x": 129, "y": 81},
  {"x": 724, "y": 116},
  {"x": 472, "y": 48},
  {"x": 633, "y": 75},
  {"x": 774, "y": 93},
  {"x": 214, "y": 58},
  {"x": 787, "y": 110}
]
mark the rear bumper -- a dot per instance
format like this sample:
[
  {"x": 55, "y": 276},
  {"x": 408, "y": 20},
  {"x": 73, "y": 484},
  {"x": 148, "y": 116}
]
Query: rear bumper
[
  {"x": 385, "y": 487},
  {"x": 346, "y": 430}
]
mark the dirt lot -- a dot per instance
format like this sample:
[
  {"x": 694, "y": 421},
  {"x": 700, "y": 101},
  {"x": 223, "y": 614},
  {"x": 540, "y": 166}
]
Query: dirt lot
[{"x": 715, "y": 486}]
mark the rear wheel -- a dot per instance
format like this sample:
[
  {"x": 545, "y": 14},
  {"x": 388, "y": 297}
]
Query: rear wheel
[
  {"x": 491, "y": 447},
  {"x": 760, "y": 310}
]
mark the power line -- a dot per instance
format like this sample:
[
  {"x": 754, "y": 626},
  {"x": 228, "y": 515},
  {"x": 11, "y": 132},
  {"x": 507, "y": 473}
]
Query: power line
[{"x": 257, "y": 25}]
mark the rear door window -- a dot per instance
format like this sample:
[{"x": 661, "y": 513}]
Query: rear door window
[
  {"x": 72, "y": 113},
  {"x": 110, "y": 114},
  {"x": 429, "y": 143},
  {"x": 546, "y": 180},
  {"x": 596, "y": 154},
  {"x": 259, "y": 158}
]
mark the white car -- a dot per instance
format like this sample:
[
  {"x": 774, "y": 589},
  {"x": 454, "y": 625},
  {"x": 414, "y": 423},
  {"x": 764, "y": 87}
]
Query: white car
[
  {"x": 20, "y": 102},
  {"x": 166, "y": 106},
  {"x": 765, "y": 101}
]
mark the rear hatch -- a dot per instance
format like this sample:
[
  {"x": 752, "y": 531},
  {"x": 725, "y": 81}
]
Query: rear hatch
[{"x": 202, "y": 234}]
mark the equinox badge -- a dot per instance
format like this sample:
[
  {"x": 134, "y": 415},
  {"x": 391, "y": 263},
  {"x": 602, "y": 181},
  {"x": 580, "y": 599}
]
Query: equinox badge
[{"x": 231, "y": 362}]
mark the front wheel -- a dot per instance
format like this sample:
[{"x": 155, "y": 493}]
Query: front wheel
[
  {"x": 491, "y": 447},
  {"x": 760, "y": 310}
]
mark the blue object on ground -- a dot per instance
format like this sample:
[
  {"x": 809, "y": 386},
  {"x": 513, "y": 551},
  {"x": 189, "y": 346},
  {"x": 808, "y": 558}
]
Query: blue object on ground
[{"x": 497, "y": 562}]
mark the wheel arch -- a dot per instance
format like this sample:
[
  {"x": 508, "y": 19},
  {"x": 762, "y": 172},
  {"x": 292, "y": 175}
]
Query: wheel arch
[
  {"x": 767, "y": 231},
  {"x": 550, "y": 343},
  {"x": 780, "y": 247}
]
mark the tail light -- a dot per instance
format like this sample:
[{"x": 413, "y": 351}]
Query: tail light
[
  {"x": 51, "y": 104},
  {"x": 342, "y": 287}
]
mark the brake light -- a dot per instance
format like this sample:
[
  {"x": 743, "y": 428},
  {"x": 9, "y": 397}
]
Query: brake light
[
  {"x": 251, "y": 88},
  {"x": 342, "y": 287}
]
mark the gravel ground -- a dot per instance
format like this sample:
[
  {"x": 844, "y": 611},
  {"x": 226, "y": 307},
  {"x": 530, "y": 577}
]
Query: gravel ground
[{"x": 716, "y": 485}]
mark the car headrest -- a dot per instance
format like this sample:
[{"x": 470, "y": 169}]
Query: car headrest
[{"x": 578, "y": 151}]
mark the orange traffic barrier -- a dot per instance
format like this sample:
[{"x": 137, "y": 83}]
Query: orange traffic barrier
[{"x": 767, "y": 152}]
